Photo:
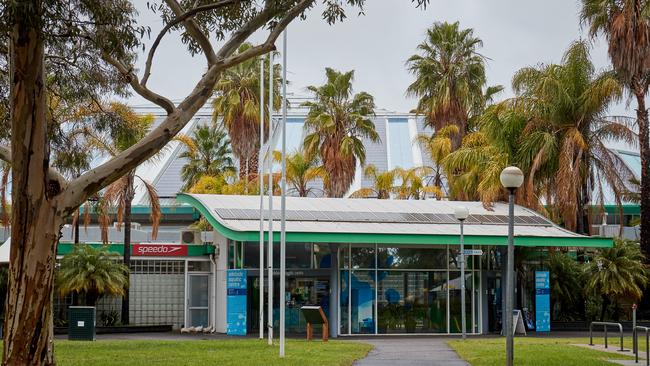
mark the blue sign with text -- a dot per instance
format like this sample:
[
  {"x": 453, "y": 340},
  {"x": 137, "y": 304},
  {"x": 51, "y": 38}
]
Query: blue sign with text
[
  {"x": 236, "y": 302},
  {"x": 542, "y": 301}
]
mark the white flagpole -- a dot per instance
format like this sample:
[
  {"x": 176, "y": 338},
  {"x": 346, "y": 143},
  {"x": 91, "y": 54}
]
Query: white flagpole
[
  {"x": 260, "y": 177},
  {"x": 269, "y": 314},
  {"x": 283, "y": 198}
]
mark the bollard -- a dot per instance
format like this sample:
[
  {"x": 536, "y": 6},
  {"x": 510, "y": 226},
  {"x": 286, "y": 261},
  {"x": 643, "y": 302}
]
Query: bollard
[{"x": 634, "y": 339}]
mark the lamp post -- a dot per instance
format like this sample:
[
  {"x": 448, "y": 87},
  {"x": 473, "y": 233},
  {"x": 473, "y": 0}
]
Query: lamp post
[
  {"x": 511, "y": 179},
  {"x": 461, "y": 214}
]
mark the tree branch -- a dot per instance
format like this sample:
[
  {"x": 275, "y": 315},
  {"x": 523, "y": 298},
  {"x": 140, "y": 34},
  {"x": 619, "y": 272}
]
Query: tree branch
[
  {"x": 52, "y": 174},
  {"x": 142, "y": 90},
  {"x": 94, "y": 180},
  {"x": 269, "y": 44},
  {"x": 191, "y": 27},
  {"x": 5, "y": 153}
]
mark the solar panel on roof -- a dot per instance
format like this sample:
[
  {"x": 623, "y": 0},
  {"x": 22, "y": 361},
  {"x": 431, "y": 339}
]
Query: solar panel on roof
[{"x": 378, "y": 217}]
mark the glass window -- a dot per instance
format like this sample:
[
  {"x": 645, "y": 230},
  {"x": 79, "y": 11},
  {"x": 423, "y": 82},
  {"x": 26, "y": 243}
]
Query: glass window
[
  {"x": 363, "y": 257},
  {"x": 455, "y": 320},
  {"x": 363, "y": 302},
  {"x": 295, "y": 137},
  {"x": 344, "y": 305},
  {"x": 322, "y": 256},
  {"x": 400, "y": 143},
  {"x": 412, "y": 258},
  {"x": 344, "y": 256},
  {"x": 198, "y": 266},
  {"x": 412, "y": 302},
  {"x": 298, "y": 255}
]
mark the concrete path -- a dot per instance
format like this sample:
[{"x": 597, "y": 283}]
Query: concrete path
[{"x": 410, "y": 351}]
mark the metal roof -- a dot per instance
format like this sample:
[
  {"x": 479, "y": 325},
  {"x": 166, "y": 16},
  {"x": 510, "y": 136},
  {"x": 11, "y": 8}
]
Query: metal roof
[{"x": 348, "y": 220}]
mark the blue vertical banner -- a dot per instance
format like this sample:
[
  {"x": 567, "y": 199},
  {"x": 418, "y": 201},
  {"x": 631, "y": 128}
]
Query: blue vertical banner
[
  {"x": 236, "y": 302},
  {"x": 542, "y": 301}
]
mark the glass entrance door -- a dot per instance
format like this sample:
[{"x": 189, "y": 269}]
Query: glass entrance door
[{"x": 198, "y": 300}]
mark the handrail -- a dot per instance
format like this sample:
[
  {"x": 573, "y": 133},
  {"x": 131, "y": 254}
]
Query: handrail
[
  {"x": 635, "y": 342},
  {"x": 605, "y": 324}
]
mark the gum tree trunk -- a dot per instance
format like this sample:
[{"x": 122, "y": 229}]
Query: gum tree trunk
[{"x": 36, "y": 220}]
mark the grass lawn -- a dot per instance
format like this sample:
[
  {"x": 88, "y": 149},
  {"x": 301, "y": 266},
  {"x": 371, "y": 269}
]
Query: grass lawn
[
  {"x": 209, "y": 352},
  {"x": 537, "y": 351}
]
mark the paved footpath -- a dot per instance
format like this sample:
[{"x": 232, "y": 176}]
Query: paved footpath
[{"x": 410, "y": 351}]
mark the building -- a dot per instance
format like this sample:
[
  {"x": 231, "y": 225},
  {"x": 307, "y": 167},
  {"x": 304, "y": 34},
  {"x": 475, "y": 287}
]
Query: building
[{"x": 375, "y": 266}]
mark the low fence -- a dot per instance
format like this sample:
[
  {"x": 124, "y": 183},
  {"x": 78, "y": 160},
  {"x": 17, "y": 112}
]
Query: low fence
[{"x": 605, "y": 325}]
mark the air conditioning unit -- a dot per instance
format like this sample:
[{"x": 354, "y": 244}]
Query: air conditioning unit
[
  {"x": 120, "y": 226},
  {"x": 189, "y": 237}
]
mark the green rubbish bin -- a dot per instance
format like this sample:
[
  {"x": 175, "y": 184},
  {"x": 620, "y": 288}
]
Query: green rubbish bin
[{"x": 81, "y": 323}]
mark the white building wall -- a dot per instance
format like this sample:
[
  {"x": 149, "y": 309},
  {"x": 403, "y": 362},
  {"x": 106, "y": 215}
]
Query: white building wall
[{"x": 221, "y": 292}]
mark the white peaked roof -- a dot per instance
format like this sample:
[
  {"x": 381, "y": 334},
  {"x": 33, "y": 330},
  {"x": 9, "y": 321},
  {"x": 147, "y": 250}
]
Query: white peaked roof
[
  {"x": 384, "y": 221},
  {"x": 5, "y": 250}
]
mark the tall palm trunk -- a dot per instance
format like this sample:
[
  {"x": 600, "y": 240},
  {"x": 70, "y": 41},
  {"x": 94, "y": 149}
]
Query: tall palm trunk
[
  {"x": 253, "y": 163},
  {"x": 36, "y": 217},
  {"x": 644, "y": 150},
  {"x": 128, "y": 198}
]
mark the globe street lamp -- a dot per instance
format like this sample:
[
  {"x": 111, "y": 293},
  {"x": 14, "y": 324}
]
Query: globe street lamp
[
  {"x": 461, "y": 214},
  {"x": 511, "y": 179}
]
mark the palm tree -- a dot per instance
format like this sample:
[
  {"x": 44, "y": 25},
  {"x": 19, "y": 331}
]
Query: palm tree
[
  {"x": 438, "y": 146},
  {"x": 566, "y": 277},
  {"x": 567, "y": 133},
  {"x": 302, "y": 170},
  {"x": 92, "y": 273},
  {"x": 237, "y": 104},
  {"x": 473, "y": 169},
  {"x": 617, "y": 273},
  {"x": 449, "y": 78},
  {"x": 207, "y": 152},
  {"x": 383, "y": 184},
  {"x": 336, "y": 124},
  {"x": 118, "y": 129},
  {"x": 412, "y": 184},
  {"x": 626, "y": 26}
]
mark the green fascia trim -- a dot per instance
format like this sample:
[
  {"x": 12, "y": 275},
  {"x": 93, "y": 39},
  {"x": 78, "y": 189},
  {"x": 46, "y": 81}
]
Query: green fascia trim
[
  {"x": 192, "y": 250},
  {"x": 165, "y": 210},
  {"x": 320, "y": 237},
  {"x": 628, "y": 209}
]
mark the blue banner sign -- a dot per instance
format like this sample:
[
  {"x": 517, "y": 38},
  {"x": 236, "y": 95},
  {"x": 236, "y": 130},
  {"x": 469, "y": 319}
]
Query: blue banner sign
[
  {"x": 542, "y": 301},
  {"x": 236, "y": 303}
]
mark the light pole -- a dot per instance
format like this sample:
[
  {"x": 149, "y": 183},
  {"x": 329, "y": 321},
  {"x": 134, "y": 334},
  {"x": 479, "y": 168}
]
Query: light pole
[
  {"x": 511, "y": 179},
  {"x": 461, "y": 214},
  {"x": 283, "y": 199},
  {"x": 260, "y": 177}
]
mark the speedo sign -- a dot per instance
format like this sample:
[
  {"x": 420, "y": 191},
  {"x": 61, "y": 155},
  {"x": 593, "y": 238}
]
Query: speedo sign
[{"x": 159, "y": 250}]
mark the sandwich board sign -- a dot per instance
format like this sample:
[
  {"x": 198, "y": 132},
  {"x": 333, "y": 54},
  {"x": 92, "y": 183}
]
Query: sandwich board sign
[{"x": 518, "y": 323}]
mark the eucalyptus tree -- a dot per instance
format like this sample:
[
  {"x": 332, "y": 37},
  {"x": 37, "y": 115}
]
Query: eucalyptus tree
[
  {"x": 87, "y": 51},
  {"x": 626, "y": 27},
  {"x": 207, "y": 152},
  {"x": 449, "y": 77},
  {"x": 237, "y": 106},
  {"x": 336, "y": 124}
]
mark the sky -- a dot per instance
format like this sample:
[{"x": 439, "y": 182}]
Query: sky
[{"x": 376, "y": 45}]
